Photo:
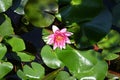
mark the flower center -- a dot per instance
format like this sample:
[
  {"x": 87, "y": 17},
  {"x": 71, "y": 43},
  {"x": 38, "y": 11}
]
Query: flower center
[{"x": 59, "y": 38}]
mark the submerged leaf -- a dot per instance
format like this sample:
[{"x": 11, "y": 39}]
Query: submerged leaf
[{"x": 41, "y": 12}]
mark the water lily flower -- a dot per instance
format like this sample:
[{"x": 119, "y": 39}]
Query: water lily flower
[{"x": 59, "y": 38}]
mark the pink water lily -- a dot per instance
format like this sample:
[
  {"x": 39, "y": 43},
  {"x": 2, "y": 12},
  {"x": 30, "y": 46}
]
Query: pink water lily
[{"x": 59, "y": 38}]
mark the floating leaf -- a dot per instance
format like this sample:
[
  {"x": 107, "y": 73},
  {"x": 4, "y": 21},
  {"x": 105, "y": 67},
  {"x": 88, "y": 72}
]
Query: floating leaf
[
  {"x": 62, "y": 75},
  {"x": 5, "y": 68},
  {"x": 3, "y": 50},
  {"x": 83, "y": 63},
  {"x": 50, "y": 58},
  {"x": 36, "y": 72},
  {"x": 25, "y": 57},
  {"x": 5, "y": 26},
  {"x": 16, "y": 43},
  {"x": 4, "y": 5},
  {"x": 41, "y": 12}
]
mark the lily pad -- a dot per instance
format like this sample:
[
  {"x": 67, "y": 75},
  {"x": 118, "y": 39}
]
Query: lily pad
[
  {"x": 83, "y": 63},
  {"x": 41, "y": 12},
  {"x": 50, "y": 58},
  {"x": 36, "y": 72}
]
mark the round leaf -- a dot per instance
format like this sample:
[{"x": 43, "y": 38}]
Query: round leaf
[
  {"x": 83, "y": 63},
  {"x": 50, "y": 58},
  {"x": 41, "y": 12}
]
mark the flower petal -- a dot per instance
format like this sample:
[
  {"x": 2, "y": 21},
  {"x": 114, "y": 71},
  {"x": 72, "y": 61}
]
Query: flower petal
[
  {"x": 68, "y": 33},
  {"x": 63, "y": 30},
  {"x": 68, "y": 41},
  {"x": 55, "y": 46},
  {"x": 55, "y": 28}
]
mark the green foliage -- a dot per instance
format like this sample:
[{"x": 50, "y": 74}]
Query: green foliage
[
  {"x": 35, "y": 72},
  {"x": 112, "y": 39},
  {"x": 20, "y": 9},
  {"x": 3, "y": 50},
  {"x": 4, "y": 5},
  {"x": 50, "y": 58},
  {"x": 5, "y": 67},
  {"x": 89, "y": 21},
  {"x": 52, "y": 75},
  {"x": 16, "y": 43},
  {"x": 5, "y": 26},
  {"x": 25, "y": 57}
]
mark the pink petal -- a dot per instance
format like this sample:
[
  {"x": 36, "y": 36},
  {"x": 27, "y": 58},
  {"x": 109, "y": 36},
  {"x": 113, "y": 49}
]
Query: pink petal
[
  {"x": 55, "y": 46},
  {"x": 63, "y": 30},
  {"x": 61, "y": 45},
  {"x": 55, "y": 28},
  {"x": 64, "y": 46},
  {"x": 50, "y": 41},
  {"x": 68, "y": 33},
  {"x": 68, "y": 41}
]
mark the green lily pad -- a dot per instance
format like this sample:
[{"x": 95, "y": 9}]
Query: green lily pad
[
  {"x": 41, "y": 12},
  {"x": 83, "y": 63},
  {"x": 25, "y": 57},
  {"x": 50, "y": 58},
  {"x": 16, "y": 43},
  {"x": 35, "y": 72}
]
